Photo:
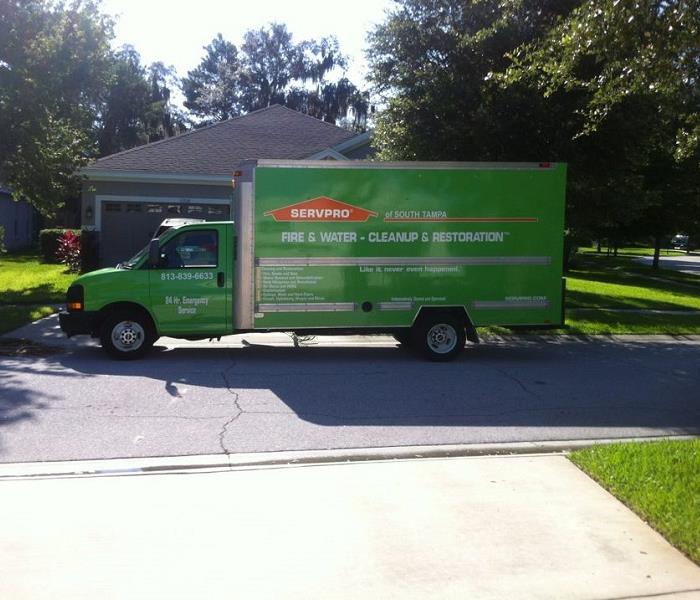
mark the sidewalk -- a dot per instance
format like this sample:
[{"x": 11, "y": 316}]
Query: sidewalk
[{"x": 515, "y": 527}]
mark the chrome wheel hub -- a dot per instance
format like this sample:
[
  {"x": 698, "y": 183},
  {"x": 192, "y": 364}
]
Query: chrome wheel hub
[
  {"x": 127, "y": 336},
  {"x": 442, "y": 338}
]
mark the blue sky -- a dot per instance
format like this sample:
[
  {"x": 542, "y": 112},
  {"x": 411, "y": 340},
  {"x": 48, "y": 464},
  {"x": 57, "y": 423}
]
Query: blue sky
[{"x": 162, "y": 30}]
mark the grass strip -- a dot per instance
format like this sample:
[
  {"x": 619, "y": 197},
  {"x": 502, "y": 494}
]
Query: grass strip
[{"x": 660, "y": 481}]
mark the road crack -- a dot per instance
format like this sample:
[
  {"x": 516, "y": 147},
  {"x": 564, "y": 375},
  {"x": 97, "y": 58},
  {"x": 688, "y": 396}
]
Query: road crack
[
  {"x": 522, "y": 386},
  {"x": 235, "y": 417}
]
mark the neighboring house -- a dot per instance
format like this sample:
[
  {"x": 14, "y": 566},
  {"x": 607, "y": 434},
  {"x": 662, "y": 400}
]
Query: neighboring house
[
  {"x": 126, "y": 195},
  {"x": 19, "y": 220}
]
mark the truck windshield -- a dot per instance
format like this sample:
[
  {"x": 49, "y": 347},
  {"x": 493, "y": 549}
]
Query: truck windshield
[{"x": 129, "y": 264}]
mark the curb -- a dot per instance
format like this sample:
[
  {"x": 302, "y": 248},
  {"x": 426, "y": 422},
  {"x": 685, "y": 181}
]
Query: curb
[{"x": 260, "y": 460}]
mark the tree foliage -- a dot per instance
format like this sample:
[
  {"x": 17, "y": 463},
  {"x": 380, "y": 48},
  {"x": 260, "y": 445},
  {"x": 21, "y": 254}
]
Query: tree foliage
[
  {"x": 66, "y": 97},
  {"x": 612, "y": 50},
  {"x": 271, "y": 68},
  {"x": 136, "y": 107},
  {"x": 54, "y": 66},
  {"x": 211, "y": 89},
  {"x": 431, "y": 61}
]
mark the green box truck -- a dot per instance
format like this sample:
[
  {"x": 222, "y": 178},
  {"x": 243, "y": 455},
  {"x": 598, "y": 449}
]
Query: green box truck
[{"x": 427, "y": 252}]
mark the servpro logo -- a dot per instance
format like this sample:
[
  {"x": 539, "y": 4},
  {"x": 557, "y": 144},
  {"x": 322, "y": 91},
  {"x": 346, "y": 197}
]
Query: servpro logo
[{"x": 322, "y": 208}]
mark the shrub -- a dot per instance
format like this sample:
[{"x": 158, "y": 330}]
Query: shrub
[
  {"x": 68, "y": 251},
  {"x": 2, "y": 239},
  {"x": 48, "y": 243}
]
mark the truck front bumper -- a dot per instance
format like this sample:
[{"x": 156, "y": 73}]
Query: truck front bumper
[{"x": 79, "y": 322}]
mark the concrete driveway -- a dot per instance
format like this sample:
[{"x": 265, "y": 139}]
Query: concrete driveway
[
  {"x": 523, "y": 527},
  {"x": 259, "y": 394}
]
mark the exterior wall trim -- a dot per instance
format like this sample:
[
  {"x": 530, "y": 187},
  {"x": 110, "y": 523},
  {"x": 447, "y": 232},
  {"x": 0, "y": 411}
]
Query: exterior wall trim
[
  {"x": 328, "y": 153},
  {"x": 146, "y": 177},
  {"x": 353, "y": 143}
]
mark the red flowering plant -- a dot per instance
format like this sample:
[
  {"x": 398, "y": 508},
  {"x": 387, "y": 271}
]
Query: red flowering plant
[{"x": 68, "y": 251}]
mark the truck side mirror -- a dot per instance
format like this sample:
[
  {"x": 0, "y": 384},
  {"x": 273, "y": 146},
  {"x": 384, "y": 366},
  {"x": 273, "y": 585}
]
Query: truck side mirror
[{"x": 153, "y": 253}]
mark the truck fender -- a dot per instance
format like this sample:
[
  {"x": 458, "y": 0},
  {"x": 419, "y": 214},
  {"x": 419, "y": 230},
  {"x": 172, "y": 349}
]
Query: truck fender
[
  {"x": 122, "y": 306},
  {"x": 459, "y": 311}
]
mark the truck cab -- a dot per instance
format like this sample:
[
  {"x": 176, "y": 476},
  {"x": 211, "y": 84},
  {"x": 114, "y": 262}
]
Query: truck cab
[{"x": 185, "y": 290}]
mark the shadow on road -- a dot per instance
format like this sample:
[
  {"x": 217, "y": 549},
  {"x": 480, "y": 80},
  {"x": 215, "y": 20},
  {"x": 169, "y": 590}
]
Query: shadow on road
[{"x": 555, "y": 382}]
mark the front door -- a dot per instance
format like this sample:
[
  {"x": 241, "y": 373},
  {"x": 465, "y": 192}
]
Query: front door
[{"x": 190, "y": 289}]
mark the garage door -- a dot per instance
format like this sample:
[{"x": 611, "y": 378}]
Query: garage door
[{"x": 128, "y": 226}]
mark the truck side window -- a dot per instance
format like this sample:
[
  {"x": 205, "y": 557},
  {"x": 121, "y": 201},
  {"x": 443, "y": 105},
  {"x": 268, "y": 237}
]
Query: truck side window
[{"x": 190, "y": 249}]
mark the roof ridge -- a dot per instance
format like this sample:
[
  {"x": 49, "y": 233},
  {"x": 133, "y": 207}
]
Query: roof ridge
[{"x": 186, "y": 133}]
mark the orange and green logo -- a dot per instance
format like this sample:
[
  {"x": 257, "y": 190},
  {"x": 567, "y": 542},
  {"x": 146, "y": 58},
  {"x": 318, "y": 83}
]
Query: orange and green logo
[{"x": 321, "y": 208}]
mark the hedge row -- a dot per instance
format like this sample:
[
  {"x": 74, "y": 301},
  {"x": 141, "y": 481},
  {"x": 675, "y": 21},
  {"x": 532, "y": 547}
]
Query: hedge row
[{"x": 89, "y": 246}]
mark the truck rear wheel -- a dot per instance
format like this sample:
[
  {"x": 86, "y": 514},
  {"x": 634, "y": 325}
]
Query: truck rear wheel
[
  {"x": 440, "y": 336},
  {"x": 127, "y": 335}
]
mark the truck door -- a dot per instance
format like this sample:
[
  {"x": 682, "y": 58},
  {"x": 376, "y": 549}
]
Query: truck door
[{"x": 190, "y": 290}]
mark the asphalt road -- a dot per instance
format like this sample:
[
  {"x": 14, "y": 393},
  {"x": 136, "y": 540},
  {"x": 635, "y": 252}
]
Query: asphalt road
[
  {"x": 689, "y": 263},
  {"x": 248, "y": 394}
]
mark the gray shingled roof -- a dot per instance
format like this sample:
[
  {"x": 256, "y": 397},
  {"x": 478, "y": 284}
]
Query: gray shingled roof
[{"x": 273, "y": 132}]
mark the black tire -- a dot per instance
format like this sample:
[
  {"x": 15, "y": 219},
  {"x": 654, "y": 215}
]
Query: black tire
[
  {"x": 439, "y": 336},
  {"x": 127, "y": 335}
]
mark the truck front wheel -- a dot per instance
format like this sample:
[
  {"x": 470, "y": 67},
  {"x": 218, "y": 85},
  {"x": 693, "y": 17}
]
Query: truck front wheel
[
  {"x": 440, "y": 337},
  {"x": 127, "y": 335}
]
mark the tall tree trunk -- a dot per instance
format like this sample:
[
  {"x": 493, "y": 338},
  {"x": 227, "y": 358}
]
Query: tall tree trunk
[
  {"x": 600, "y": 247},
  {"x": 657, "y": 251}
]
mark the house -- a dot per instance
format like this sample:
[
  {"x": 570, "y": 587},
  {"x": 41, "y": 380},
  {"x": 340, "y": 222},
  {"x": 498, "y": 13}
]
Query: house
[
  {"x": 126, "y": 195},
  {"x": 19, "y": 220}
]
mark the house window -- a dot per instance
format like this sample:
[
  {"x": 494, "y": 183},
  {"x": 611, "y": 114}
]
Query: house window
[
  {"x": 174, "y": 209},
  {"x": 113, "y": 207},
  {"x": 154, "y": 208},
  {"x": 133, "y": 207}
]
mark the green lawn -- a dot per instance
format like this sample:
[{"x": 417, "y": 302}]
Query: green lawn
[
  {"x": 660, "y": 481},
  {"x": 634, "y": 251},
  {"x": 28, "y": 287},
  {"x": 601, "y": 282},
  {"x": 24, "y": 279}
]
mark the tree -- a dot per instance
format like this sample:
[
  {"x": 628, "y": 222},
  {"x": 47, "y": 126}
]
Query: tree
[
  {"x": 332, "y": 102},
  {"x": 54, "y": 64},
  {"x": 212, "y": 89},
  {"x": 270, "y": 62},
  {"x": 163, "y": 120},
  {"x": 637, "y": 61},
  {"x": 431, "y": 63},
  {"x": 271, "y": 68},
  {"x": 121, "y": 118},
  {"x": 136, "y": 108}
]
